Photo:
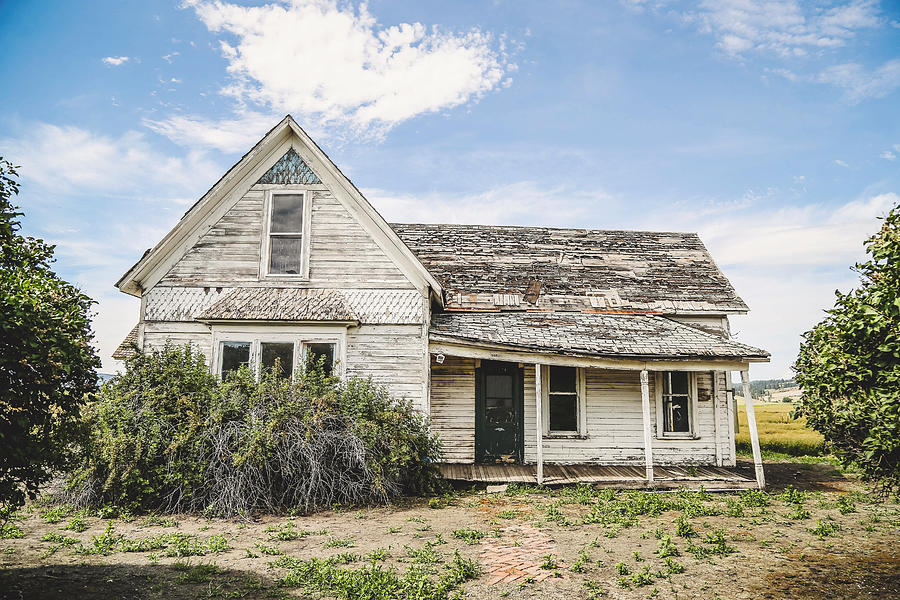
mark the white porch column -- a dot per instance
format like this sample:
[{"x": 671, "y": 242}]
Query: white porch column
[
  {"x": 751, "y": 425},
  {"x": 539, "y": 422},
  {"x": 648, "y": 435}
]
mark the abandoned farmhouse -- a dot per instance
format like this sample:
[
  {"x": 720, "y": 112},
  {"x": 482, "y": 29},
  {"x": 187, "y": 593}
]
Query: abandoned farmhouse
[{"x": 530, "y": 348}]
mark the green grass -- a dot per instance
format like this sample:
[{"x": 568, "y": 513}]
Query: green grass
[{"x": 778, "y": 433}]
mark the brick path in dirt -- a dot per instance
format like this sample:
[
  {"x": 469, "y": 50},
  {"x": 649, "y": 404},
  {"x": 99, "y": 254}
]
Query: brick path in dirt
[{"x": 507, "y": 562}]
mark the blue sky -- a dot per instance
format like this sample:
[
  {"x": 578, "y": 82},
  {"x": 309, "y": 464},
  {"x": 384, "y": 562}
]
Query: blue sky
[{"x": 769, "y": 127}]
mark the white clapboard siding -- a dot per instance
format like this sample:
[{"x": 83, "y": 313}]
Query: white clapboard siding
[
  {"x": 391, "y": 355},
  {"x": 342, "y": 253},
  {"x": 156, "y": 334},
  {"x": 614, "y": 433},
  {"x": 453, "y": 407}
]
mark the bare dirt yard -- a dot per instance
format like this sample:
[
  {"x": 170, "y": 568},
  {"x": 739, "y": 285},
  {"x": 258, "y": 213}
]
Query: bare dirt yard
[{"x": 816, "y": 533}]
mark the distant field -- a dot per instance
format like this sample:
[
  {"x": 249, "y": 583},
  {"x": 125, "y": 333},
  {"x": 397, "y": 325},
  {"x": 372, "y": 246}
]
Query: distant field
[{"x": 778, "y": 432}]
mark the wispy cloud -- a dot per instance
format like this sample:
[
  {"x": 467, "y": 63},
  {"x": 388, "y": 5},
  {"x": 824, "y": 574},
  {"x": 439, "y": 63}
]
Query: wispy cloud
[
  {"x": 860, "y": 83},
  {"x": 334, "y": 64},
  {"x": 887, "y": 155},
  {"x": 782, "y": 27},
  {"x": 116, "y": 61}
]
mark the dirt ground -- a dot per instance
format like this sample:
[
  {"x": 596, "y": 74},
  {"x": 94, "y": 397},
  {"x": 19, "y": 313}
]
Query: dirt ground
[{"x": 529, "y": 544}]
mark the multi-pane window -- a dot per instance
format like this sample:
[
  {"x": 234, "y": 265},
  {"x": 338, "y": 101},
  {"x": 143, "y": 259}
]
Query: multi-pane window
[
  {"x": 676, "y": 402},
  {"x": 562, "y": 398},
  {"x": 320, "y": 353},
  {"x": 286, "y": 234},
  {"x": 234, "y": 356},
  {"x": 279, "y": 355}
]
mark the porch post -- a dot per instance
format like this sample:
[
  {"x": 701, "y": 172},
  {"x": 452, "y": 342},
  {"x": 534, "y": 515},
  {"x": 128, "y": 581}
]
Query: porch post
[
  {"x": 648, "y": 437},
  {"x": 751, "y": 425},
  {"x": 539, "y": 422}
]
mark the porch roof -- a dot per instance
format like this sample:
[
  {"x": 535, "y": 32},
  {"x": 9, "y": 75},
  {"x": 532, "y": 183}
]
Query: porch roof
[
  {"x": 607, "y": 335},
  {"x": 280, "y": 304}
]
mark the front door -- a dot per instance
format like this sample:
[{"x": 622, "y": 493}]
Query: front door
[{"x": 499, "y": 419}]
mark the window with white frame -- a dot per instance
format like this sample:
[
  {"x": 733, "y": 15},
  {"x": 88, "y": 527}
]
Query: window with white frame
[
  {"x": 286, "y": 232},
  {"x": 278, "y": 353},
  {"x": 675, "y": 403},
  {"x": 563, "y": 400}
]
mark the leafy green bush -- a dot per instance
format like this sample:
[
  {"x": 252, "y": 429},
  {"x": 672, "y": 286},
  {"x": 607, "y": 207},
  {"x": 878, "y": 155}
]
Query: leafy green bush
[
  {"x": 168, "y": 436},
  {"x": 849, "y": 365},
  {"x": 47, "y": 362}
]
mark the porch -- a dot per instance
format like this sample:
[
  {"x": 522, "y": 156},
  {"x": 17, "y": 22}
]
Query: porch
[{"x": 619, "y": 477}]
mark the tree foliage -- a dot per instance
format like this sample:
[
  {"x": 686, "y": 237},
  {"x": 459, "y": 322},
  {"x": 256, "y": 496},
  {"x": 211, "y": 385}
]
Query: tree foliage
[
  {"x": 166, "y": 435},
  {"x": 47, "y": 364},
  {"x": 849, "y": 365}
]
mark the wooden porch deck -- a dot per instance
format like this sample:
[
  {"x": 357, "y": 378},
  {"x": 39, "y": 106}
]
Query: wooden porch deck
[{"x": 622, "y": 477}]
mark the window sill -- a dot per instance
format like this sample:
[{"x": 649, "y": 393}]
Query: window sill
[
  {"x": 564, "y": 436},
  {"x": 676, "y": 438}
]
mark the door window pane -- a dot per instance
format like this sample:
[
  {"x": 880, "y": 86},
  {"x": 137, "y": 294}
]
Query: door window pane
[
  {"x": 287, "y": 213},
  {"x": 498, "y": 386},
  {"x": 323, "y": 352},
  {"x": 277, "y": 353},
  {"x": 234, "y": 356}
]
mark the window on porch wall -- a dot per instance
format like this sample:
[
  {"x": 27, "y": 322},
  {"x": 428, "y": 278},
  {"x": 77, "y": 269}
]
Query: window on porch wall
[
  {"x": 563, "y": 400},
  {"x": 676, "y": 402}
]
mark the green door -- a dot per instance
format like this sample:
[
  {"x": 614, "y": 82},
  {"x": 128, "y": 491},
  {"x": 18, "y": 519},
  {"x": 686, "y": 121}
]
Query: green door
[{"x": 499, "y": 418}]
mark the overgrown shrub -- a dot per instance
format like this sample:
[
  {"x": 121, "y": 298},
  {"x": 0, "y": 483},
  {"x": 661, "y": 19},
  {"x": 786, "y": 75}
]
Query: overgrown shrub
[{"x": 168, "y": 436}]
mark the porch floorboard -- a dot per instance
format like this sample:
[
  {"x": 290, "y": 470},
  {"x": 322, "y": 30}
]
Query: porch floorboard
[{"x": 612, "y": 476}]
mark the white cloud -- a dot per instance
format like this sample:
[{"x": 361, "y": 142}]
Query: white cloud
[
  {"x": 887, "y": 155},
  {"x": 171, "y": 56},
  {"x": 68, "y": 159},
  {"x": 783, "y": 27},
  {"x": 841, "y": 163},
  {"x": 860, "y": 83},
  {"x": 333, "y": 64},
  {"x": 115, "y": 61},
  {"x": 238, "y": 134}
]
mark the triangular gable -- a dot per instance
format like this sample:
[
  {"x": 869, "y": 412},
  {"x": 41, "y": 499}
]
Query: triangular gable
[
  {"x": 290, "y": 169},
  {"x": 284, "y": 139}
]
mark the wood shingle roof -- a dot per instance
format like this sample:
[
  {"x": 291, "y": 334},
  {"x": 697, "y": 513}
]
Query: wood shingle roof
[
  {"x": 589, "y": 334},
  {"x": 479, "y": 266}
]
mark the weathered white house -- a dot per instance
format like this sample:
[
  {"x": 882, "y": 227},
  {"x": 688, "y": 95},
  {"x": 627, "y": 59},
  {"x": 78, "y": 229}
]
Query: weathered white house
[{"x": 525, "y": 345}]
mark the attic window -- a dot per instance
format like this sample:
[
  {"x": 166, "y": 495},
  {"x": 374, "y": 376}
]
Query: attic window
[{"x": 288, "y": 216}]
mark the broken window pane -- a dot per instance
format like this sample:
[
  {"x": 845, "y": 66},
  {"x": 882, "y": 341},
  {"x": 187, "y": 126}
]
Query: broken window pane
[
  {"x": 563, "y": 399},
  {"x": 676, "y": 402}
]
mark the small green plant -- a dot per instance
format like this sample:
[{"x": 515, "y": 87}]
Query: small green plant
[
  {"x": 268, "y": 550},
  {"x": 549, "y": 562},
  {"x": 10, "y": 531},
  {"x": 594, "y": 590},
  {"x": 637, "y": 556},
  {"x": 718, "y": 544},
  {"x": 468, "y": 535},
  {"x": 798, "y": 513},
  {"x": 756, "y": 498},
  {"x": 825, "y": 528},
  {"x": 622, "y": 569},
  {"x": 556, "y": 516},
  {"x": 579, "y": 566},
  {"x": 58, "y": 540},
  {"x": 673, "y": 567},
  {"x": 667, "y": 548},
  {"x": 642, "y": 577},
  {"x": 54, "y": 514},
  {"x": 846, "y": 505},
  {"x": 426, "y": 555},
  {"x": 395, "y": 529},
  {"x": 104, "y": 543},
  {"x": 507, "y": 514},
  {"x": 683, "y": 527},
  {"x": 792, "y": 496},
  {"x": 345, "y": 558},
  {"x": 333, "y": 542},
  {"x": 76, "y": 524},
  {"x": 201, "y": 573},
  {"x": 378, "y": 554},
  {"x": 157, "y": 521}
]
